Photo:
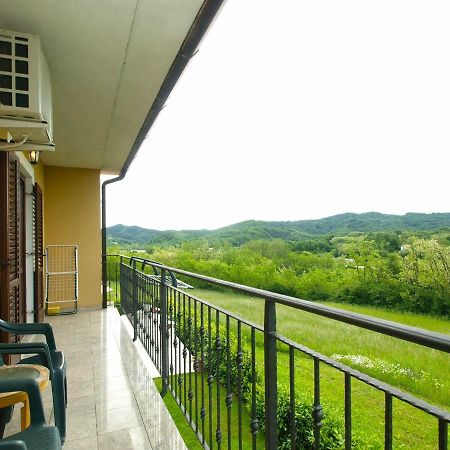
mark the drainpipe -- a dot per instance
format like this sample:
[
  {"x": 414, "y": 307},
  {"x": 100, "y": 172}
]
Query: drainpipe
[
  {"x": 199, "y": 27},
  {"x": 104, "y": 274}
]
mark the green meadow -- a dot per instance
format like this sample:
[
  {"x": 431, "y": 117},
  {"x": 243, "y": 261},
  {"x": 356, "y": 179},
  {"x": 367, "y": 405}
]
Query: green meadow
[{"x": 420, "y": 371}]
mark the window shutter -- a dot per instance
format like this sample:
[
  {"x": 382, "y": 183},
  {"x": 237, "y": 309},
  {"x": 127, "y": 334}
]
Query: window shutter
[{"x": 10, "y": 242}]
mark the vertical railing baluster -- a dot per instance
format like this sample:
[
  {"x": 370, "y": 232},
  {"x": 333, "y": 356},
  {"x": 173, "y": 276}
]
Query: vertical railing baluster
[
  {"x": 202, "y": 368},
  {"x": 134, "y": 300},
  {"x": 229, "y": 397},
  {"x": 163, "y": 334},
  {"x": 119, "y": 277},
  {"x": 348, "y": 411},
  {"x": 190, "y": 349},
  {"x": 116, "y": 275},
  {"x": 443, "y": 434},
  {"x": 108, "y": 277},
  {"x": 147, "y": 315},
  {"x": 122, "y": 285},
  {"x": 185, "y": 343},
  {"x": 151, "y": 332},
  {"x": 388, "y": 421},
  {"x": 239, "y": 363},
  {"x": 210, "y": 380},
  {"x": 176, "y": 332},
  {"x": 130, "y": 274},
  {"x": 152, "y": 321},
  {"x": 270, "y": 374},
  {"x": 317, "y": 409},
  {"x": 170, "y": 325},
  {"x": 254, "y": 425},
  {"x": 150, "y": 318},
  {"x": 139, "y": 298},
  {"x": 218, "y": 354},
  {"x": 196, "y": 362},
  {"x": 157, "y": 323},
  {"x": 180, "y": 343},
  {"x": 141, "y": 295},
  {"x": 127, "y": 273},
  {"x": 293, "y": 426},
  {"x": 143, "y": 315}
]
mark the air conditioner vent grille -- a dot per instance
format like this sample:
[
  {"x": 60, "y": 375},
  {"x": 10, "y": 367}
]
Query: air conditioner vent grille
[{"x": 14, "y": 71}]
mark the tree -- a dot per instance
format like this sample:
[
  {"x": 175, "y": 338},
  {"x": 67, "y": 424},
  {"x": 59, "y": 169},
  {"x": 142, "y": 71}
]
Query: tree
[{"x": 426, "y": 274}]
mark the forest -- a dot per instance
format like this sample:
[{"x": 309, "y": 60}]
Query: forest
[
  {"x": 242, "y": 232},
  {"x": 404, "y": 270}
]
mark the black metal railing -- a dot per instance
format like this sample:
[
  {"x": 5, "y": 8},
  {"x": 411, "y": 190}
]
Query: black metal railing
[{"x": 210, "y": 361}]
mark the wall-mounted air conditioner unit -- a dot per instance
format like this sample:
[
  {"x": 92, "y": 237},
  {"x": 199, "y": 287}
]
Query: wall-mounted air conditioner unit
[{"x": 25, "y": 89}]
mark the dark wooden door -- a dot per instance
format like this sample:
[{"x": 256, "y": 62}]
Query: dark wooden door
[
  {"x": 10, "y": 250},
  {"x": 38, "y": 255},
  {"x": 22, "y": 247}
]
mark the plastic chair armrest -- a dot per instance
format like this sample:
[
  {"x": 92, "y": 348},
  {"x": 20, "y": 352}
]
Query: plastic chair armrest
[
  {"x": 31, "y": 328},
  {"x": 31, "y": 387},
  {"x": 29, "y": 348}
]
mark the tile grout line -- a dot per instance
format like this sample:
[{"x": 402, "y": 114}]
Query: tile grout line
[
  {"x": 93, "y": 381},
  {"x": 117, "y": 327},
  {"x": 73, "y": 323}
]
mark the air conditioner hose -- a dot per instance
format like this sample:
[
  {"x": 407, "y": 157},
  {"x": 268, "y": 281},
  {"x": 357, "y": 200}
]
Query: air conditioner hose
[{"x": 9, "y": 146}]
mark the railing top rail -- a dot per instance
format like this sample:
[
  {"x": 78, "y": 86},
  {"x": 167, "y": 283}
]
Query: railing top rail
[{"x": 426, "y": 338}]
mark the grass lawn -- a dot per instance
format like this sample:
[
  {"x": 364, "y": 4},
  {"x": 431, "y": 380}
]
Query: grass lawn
[
  {"x": 427, "y": 376},
  {"x": 423, "y": 372},
  {"x": 191, "y": 441}
]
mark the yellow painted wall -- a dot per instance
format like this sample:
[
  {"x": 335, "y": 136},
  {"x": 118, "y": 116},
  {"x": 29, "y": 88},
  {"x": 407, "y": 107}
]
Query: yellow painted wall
[
  {"x": 72, "y": 216},
  {"x": 4, "y": 135},
  {"x": 39, "y": 176}
]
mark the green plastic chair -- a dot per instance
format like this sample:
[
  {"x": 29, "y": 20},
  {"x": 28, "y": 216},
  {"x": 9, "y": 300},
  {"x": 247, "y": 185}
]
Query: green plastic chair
[
  {"x": 13, "y": 445},
  {"x": 38, "y": 435},
  {"x": 46, "y": 355}
]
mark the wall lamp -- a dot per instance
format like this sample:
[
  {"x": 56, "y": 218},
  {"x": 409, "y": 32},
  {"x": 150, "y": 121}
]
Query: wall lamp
[{"x": 33, "y": 156}]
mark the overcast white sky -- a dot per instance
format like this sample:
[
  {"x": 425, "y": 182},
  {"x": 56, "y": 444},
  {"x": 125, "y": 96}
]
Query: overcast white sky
[{"x": 297, "y": 109}]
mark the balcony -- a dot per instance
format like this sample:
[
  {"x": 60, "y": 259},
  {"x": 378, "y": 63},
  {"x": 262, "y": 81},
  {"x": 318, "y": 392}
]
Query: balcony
[
  {"x": 113, "y": 402},
  {"x": 222, "y": 372},
  {"x": 241, "y": 384}
]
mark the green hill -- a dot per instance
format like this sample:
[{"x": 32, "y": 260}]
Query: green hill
[{"x": 239, "y": 233}]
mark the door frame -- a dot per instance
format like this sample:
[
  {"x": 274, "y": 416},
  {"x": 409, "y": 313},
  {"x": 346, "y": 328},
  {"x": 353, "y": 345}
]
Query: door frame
[{"x": 27, "y": 173}]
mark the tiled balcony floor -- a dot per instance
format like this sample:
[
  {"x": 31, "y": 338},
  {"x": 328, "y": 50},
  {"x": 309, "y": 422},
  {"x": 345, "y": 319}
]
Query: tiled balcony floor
[{"x": 112, "y": 400}]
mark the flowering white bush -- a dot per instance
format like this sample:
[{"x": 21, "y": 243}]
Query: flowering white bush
[{"x": 381, "y": 366}]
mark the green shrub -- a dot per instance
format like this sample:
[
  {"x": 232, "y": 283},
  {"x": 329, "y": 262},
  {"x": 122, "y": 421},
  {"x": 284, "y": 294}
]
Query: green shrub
[
  {"x": 331, "y": 435},
  {"x": 190, "y": 333}
]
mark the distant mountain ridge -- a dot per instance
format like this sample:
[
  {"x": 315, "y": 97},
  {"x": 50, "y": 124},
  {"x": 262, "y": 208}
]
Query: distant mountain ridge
[{"x": 295, "y": 230}]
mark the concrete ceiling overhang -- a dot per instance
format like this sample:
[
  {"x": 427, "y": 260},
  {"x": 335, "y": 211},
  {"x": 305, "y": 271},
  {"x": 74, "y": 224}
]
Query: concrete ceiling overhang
[{"x": 107, "y": 60}]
